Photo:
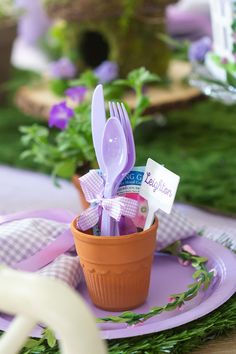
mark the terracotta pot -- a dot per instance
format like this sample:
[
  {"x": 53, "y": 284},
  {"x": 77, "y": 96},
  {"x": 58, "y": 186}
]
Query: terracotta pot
[{"x": 116, "y": 269}]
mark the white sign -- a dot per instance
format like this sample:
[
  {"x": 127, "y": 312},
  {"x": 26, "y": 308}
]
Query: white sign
[{"x": 159, "y": 187}]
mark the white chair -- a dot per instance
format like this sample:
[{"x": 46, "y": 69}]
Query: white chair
[{"x": 34, "y": 298}]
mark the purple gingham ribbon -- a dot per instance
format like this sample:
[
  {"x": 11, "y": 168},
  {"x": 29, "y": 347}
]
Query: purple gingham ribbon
[{"x": 93, "y": 187}]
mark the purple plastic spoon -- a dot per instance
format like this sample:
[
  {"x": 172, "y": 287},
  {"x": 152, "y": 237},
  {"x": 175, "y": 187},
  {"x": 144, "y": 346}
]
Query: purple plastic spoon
[{"x": 114, "y": 152}]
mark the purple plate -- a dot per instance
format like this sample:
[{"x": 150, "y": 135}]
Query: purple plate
[{"x": 169, "y": 277}]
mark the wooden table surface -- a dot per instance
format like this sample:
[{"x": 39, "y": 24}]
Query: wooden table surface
[
  {"x": 222, "y": 345},
  {"x": 37, "y": 99}
]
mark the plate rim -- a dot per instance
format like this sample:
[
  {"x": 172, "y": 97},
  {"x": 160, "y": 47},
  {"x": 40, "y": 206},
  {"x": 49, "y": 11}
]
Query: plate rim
[{"x": 206, "y": 306}]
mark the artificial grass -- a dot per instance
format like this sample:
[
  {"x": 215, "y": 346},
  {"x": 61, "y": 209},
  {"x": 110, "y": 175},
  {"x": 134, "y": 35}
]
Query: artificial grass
[
  {"x": 197, "y": 143},
  {"x": 183, "y": 339},
  {"x": 180, "y": 340},
  {"x": 10, "y": 146}
]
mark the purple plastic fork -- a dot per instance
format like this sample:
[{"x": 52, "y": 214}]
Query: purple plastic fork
[{"x": 119, "y": 111}]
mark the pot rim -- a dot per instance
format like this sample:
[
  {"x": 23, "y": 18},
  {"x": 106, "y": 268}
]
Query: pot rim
[{"x": 127, "y": 237}]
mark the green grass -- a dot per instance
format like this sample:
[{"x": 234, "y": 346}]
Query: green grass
[
  {"x": 198, "y": 143},
  {"x": 10, "y": 146}
]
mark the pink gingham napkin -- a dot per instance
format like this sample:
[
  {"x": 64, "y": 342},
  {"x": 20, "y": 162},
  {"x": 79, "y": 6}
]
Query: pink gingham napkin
[
  {"x": 45, "y": 244},
  {"x": 173, "y": 227},
  {"x": 29, "y": 243}
]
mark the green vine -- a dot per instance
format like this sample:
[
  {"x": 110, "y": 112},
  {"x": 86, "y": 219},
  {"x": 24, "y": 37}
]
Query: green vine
[{"x": 202, "y": 278}]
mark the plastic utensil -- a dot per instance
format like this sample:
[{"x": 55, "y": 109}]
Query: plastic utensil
[
  {"x": 98, "y": 121},
  {"x": 118, "y": 110},
  {"x": 114, "y": 153}
]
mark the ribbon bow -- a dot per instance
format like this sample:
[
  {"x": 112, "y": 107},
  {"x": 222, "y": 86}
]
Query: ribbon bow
[{"x": 93, "y": 187}]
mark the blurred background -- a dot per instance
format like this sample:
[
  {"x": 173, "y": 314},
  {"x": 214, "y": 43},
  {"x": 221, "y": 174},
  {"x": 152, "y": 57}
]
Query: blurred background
[{"x": 150, "y": 54}]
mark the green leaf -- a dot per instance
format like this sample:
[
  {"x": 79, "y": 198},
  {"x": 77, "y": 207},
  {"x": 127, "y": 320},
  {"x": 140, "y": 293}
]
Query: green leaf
[
  {"x": 128, "y": 315},
  {"x": 197, "y": 274},
  {"x": 65, "y": 169},
  {"x": 87, "y": 78},
  {"x": 141, "y": 105},
  {"x": 173, "y": 248},
  {"x": 112, "y": 92},
  {"x": 32, "y": 343},
  {"x": 25, "y": 154},
  {"x": 59, "y": 86},
  {"x": 48, "y": 334},
  {"x": 231, "y": 79},
  {"x": 139, "y": 77},
  {"x": 121, "y": 82}
]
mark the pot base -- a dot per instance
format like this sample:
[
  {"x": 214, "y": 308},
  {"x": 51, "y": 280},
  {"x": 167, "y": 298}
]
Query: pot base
[{"x": 117, "y": 269}]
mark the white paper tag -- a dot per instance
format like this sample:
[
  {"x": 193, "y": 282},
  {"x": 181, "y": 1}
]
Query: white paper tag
[{"x": 159, "y": 187}]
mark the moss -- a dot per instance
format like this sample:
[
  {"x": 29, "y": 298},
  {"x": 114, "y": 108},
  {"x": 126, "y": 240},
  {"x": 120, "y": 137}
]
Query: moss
[
  {"x": 130, "y": 48},
  {"x": 131, "y": 37}
]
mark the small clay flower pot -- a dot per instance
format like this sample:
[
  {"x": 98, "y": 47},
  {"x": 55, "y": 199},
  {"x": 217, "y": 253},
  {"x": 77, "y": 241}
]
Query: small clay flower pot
[{"x": 116, "y": 268}]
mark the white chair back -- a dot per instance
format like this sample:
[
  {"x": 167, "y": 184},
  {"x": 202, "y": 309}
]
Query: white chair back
[{"x": 33, "y": 299}]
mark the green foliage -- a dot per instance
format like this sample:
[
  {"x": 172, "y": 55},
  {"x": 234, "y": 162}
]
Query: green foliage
[
  {"x": 58, "y": 86},
  {"x": 87, "y": 78},
  {"x": 136, "y": 80},
  {"x": 46, "y": 344},
  {"x": 7, "y": 9},
  {"x": 180, "y": 48},
  {"x": 179, "y": 340},
  {"x": 129, "y": 7},
  {"x": 234, "y": 26},
  {"x": 60, "y": 40},
  {"x": 198, "y": 143},
  {"x": 202, "y": 278},
  {"x": 20, "y": 78},
  {"x": 64, "y": 151},
  {"x": 61, "y": 151}
]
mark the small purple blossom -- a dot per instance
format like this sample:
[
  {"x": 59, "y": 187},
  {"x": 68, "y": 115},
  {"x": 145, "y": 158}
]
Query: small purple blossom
[
  {"x": 199, "y": 49},
  {"x": 77, "y": 93},
  {"x": 140, "y": 323},
  {"x": 60, "y": 115},
  {"x": 189, "y": 249},
  {"x": 62, "y": 69},
  {"x": 224, "y": 61},
  {"x": 186, "y": 248},
  {"x": 106, "y": 71}
]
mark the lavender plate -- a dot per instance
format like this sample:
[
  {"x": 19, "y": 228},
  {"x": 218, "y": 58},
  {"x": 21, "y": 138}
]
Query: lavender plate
[{"x": 169, "y": 277}]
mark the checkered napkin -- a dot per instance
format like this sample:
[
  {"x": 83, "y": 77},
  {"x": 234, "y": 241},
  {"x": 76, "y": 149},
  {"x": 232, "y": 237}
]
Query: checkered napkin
[
  {"x": 21, "y": 239},
  {"x": 172, "y": 227}
]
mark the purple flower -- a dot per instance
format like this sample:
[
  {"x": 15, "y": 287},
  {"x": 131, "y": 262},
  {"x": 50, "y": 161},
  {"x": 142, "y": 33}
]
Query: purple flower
[
  {"x": 60, "y": 115},
  {"x": 199, "y": 49},
  {"x": 107, "y": 71},
  {"x": 77, "y": 93},
  {"x": 62, "y": 69},
  {"x": 224, "y": 61}
]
